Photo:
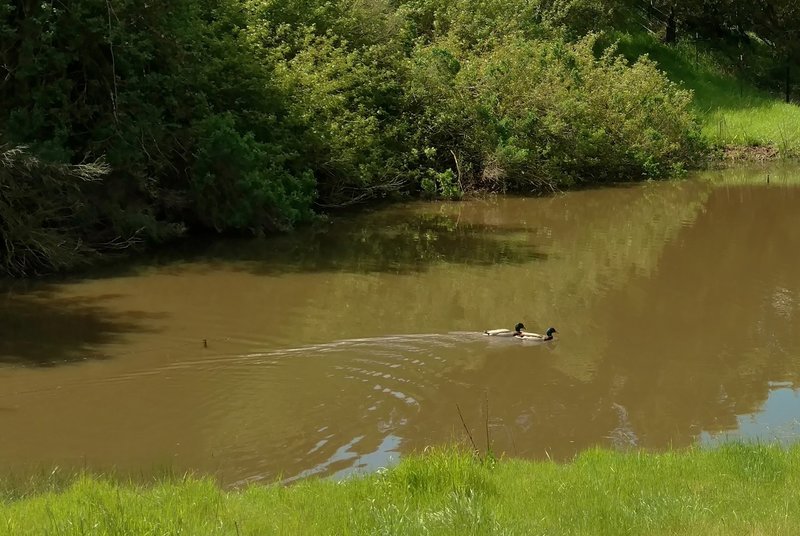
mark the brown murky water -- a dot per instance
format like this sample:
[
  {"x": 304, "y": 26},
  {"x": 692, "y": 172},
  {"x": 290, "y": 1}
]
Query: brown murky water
[{"x": 343, "y": 347}]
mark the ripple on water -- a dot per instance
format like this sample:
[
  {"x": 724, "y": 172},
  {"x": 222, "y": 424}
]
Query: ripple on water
[{"x": 328, "y": 408}]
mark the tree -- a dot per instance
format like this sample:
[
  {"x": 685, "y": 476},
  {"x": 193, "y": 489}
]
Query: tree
[
  {"x": 42, "y": 207},
  {"x": 779, "y": 23}
]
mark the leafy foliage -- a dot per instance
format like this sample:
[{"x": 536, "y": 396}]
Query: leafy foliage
[
  {"x": 238, "y": 182},
  {"x": 244, "y": 116}
]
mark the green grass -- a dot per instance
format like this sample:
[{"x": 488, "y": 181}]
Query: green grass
[
  {"x": 731, "y": 110},
  {"x": 736, "y": 489}
]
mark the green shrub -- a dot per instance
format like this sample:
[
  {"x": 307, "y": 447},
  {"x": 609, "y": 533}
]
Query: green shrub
[
  {"x": 534, "y": 114},
  {"x": 239, "y": 183}
]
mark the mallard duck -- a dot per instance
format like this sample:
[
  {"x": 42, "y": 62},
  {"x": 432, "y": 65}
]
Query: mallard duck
[
  {"x": 502, "y": 332},
  {"x": 548, "y": 336}
]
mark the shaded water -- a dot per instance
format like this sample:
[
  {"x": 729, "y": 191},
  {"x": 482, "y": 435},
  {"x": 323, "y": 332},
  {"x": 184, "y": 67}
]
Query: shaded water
[{"x": 341, "y": 347}]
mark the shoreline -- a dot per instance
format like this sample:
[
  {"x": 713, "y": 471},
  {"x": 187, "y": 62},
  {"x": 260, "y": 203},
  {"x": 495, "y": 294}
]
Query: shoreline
[
  {"x": 724, "y": 157},
  {"x": 731, "y": 155}
]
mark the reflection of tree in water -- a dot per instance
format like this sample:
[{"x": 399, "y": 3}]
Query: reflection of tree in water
[
  {"x": 386, "y": 241},
  {"x": 709, "y": 341},
  {"x": 706, "y": 352},
  {"x": 685, "y": 348},
  {"x": 43, "y": 330},
  {"x": 407, "y": 245},
  {"x": 412, "y": 238}
]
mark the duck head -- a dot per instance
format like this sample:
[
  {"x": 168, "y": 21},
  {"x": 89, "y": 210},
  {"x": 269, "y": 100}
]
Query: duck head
[
  {"x": 550, "y": 331},
  {"x": 519, "y": 327}
]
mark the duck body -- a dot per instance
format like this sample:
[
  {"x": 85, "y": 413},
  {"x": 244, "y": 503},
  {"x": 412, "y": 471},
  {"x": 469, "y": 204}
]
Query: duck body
[
  {"x": 548, "y": 336},
  {"x": 502, "y": 332}
]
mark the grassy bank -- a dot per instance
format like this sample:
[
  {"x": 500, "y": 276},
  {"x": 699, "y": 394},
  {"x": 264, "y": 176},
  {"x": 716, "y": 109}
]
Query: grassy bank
[
  {"x": 732, "y": 490},
  {"x": 731, "y": 110}
]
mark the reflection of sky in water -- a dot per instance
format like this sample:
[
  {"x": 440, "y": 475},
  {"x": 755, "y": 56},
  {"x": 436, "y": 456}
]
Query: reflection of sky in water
[
  {"x": 384, "y": 456},
  {"x": 778, "y": 420}
]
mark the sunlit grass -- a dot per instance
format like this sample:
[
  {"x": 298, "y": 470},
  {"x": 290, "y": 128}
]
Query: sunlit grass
[
  {"x": 762, "y": 123},
  {"x": 735, "y": 489},
  {"x": 731, "y": 111}
]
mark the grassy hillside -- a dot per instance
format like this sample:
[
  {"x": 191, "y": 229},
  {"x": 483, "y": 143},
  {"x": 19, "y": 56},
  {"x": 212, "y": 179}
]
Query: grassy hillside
[
  {"x": 731, "y": 109},
  {"x": 732, "y": 490}
]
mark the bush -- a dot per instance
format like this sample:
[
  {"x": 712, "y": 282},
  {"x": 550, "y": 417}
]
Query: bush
[
  {"x": 240, "y": 184},
  {"x": 537, "y": 114}
]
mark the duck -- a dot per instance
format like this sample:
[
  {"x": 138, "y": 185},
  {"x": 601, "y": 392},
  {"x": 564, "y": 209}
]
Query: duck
[{"x": 548, "y": 336}]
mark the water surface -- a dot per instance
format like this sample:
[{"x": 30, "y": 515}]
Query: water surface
[{"x": 342, "y": 347}]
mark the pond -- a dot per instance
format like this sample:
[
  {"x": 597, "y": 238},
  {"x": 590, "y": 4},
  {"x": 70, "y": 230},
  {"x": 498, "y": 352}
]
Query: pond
[{"x": 342, "y": 347}]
